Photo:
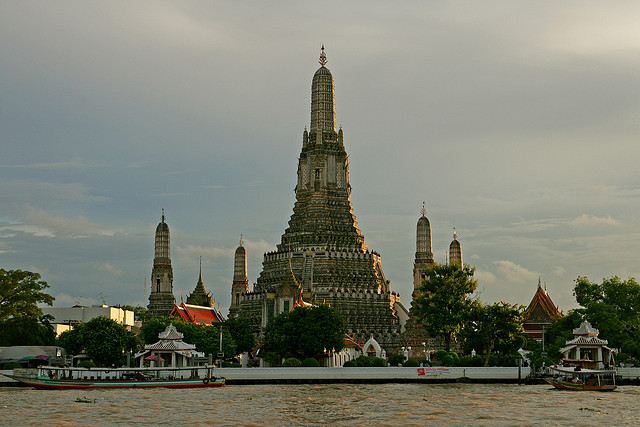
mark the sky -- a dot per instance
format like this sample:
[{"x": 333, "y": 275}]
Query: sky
[{"x": 516, "y": 122}]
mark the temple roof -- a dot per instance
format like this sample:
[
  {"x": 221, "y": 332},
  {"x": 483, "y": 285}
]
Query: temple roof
[
  {"x": 191, "y": 313},
  {"x": 541, "y": 308}
]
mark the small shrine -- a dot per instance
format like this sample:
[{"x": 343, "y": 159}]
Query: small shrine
[
  {"x": 169, "y": 351},
  {"x": 587, "y": 350}
]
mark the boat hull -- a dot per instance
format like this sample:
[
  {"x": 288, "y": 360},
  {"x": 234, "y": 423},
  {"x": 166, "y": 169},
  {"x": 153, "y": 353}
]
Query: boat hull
[
  {"x": 49, "y": 384},
  {"x": 567, "y": 385}
]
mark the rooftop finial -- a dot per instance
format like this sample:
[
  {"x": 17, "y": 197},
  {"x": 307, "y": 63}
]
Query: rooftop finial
[
  {"x": 323, "y": 56},
  {"x": 424, "y": 211},
  {"x": 162, "y": 214},
  {"x": 454, "y": 234},
  {"x": 241, "y": 240}
]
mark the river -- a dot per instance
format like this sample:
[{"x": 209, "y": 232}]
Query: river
[{"x": 341, "y": 404}]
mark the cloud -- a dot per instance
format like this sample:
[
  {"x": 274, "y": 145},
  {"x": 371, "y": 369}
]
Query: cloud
[
  {"x": 109, "y": 268},
  {"x": 514, "y": 273},
  {"x": 23, "y": 190},
  {"x": 45, "y": 224},
  {"x": 194, "y": 252},
  {"x": 586, "y": 220},
  {"x": 66, "y": 300},
  {"x": 484, "y": 277},
  {"x": 75, "y": 163}
]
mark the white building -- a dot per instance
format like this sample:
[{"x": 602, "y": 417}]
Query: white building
[
  {"x": 586, "y": 349},
  {"x": 66, "y": 317}
]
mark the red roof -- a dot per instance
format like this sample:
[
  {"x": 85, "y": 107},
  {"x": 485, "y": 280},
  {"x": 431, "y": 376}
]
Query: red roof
[
  {"x": 196, "y": 314},
  {"x": 542, "y": 306}
]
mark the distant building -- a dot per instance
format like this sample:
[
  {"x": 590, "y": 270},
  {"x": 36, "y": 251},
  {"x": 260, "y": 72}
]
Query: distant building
[
  {"x": 540, "y": 314},
  {"x": 161, "y": 299},
  {"x": 65, "y": 318}
]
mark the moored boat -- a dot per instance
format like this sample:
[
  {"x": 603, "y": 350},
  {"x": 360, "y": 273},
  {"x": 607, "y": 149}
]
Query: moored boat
[
  {"x": 61, "y": 378},
  {"x": 580, "y": 379}
]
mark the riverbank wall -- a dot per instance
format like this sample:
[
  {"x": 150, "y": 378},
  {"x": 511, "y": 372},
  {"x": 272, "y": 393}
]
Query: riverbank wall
[{"x": 300, "y": 375}]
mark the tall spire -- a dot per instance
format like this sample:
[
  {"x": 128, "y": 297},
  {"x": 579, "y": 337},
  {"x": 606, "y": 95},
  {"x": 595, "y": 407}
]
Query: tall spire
[
  {"x": 240, "y": 284},
  {"x": 323, "y": 112},
  {"x": 455, "y": 251},
  {"x": 161, "y": 299}
]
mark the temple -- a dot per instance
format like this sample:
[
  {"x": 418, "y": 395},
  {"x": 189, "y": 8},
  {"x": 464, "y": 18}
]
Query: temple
[
  {"x": 540, "y": 314},
  {"x": 322, "y": 257}
]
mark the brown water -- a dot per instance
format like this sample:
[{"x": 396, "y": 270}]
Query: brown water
[{"x": 343, "y": 404}]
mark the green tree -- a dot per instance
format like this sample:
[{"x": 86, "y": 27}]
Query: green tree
[
  {"x": 20, "y": 294},
  {"x": 614, "y": 308},
  {"x": 27, "y": 331},
  {"x": 72, "y": 340},
  {"x": 242, "y": 333},
  {"x": 105, "y": 341},
  {"x": 21, "y": 320},
  {"x": 444, "y": 300},
  {"x": 305, "y": 332},
  {"x": 496, "y": 326}
]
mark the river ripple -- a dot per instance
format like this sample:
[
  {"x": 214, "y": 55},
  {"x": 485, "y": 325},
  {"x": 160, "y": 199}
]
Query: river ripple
[{"x": 343, "y": 404}]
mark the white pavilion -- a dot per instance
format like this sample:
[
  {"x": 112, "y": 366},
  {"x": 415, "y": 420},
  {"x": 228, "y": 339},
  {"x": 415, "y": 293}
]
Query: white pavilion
[{"x": 169, "y": 351}]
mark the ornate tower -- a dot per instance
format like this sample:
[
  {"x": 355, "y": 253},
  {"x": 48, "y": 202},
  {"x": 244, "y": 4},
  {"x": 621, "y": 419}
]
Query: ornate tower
[
  {"x": 200, "y": 296},
  {"x": 240, "y": 285},
  {"x": 424, "y": 251},
  {"x": 161, "y": 299},
  {"x": 455, "y": 251},
  {"x": 322, "y": 255}
]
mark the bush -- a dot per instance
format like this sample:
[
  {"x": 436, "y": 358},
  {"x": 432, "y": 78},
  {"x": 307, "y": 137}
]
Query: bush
[
  {"x": 411, "y": 364},
  {"x": 455, "y": 355},
  {"x": 11, "y": 365},
  {"x": 440, "y": 354},
  {"x": 310, "y": 362},
  {"x": 292, "y": 362},
  {"x": 396, "y": 359},
  {"x": 377, "y": 362},
  {"x": 86, "y": 364},
  {"x": 448, "y": 360},
  {"x": 350, "y": 364}
]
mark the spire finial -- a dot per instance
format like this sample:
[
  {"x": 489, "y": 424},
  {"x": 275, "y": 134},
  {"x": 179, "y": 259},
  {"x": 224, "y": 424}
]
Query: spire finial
[
  {"x": 323, "y": 56},
  {"x": 162, "y": 214},
  {"x": 539, "y": 282},
  {"x": 455, "y": 237},
  {"x": 424, "y": 211},
  {"x": 241, "y": 240}
]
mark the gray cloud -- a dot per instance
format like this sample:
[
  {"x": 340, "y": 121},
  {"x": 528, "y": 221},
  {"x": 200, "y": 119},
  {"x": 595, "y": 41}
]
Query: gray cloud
[{"x": 516, "y": 122}]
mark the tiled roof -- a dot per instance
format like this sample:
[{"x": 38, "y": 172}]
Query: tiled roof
[
  {"x": 197, "y": 314},
  {"x": 542, "y": 300}
]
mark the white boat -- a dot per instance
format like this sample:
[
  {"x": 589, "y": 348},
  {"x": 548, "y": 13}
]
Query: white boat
[{"x": 58, "y": 378}]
